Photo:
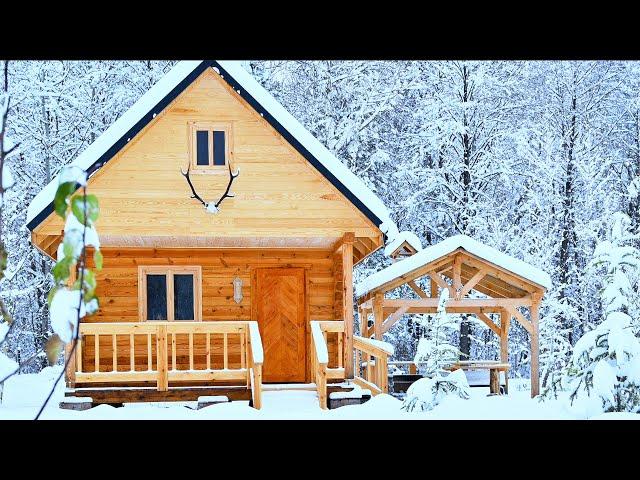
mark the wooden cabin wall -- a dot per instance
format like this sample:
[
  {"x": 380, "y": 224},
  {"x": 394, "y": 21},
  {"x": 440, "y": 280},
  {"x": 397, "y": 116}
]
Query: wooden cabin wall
[{"x": 118, "y": 294}]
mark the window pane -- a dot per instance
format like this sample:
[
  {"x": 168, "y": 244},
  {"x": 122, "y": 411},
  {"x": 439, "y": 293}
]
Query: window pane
[
  {"x": 183, "y": 297},
  {"x": 156, "y": 297},
  {"x": 202, "y": 138},
  {"x": 218, "y": 148}
]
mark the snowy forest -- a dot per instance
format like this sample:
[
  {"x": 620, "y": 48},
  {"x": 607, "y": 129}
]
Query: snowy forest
[{"x": 534, "y": 158}]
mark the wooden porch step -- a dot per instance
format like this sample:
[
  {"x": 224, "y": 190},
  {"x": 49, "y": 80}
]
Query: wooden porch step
[
  {"x": 278, "y": 387},
  {"x": 121, "y": 395},
  {"x": 76, "y": 403}
]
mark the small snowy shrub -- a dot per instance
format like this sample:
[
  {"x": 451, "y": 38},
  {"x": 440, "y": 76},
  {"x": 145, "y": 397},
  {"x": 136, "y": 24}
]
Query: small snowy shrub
[
  {"x": 426, "y": 393},
  {"x": 434, "y": 349},
  {"x": 604, "y": 372}
]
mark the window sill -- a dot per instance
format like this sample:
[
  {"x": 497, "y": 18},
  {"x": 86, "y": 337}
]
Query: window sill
[{"x": 218, "y": 170}]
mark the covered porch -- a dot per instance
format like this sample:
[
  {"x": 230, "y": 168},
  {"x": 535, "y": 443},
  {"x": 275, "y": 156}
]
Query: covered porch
[
  {"x": 481, "y": 281},
  {"x": 120, "y": 362}
]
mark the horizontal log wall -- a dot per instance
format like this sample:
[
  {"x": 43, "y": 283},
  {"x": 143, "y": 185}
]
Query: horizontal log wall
[{"x": 118, "y": 294}]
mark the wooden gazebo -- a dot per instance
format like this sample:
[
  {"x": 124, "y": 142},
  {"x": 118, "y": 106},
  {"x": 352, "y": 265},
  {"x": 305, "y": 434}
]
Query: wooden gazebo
[{"x": 511, "y": 287}]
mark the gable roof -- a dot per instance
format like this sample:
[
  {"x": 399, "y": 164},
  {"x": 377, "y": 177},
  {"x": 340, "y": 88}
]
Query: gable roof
[
  {"x": 409, "y": 237},
  {"x": 439, "y": 250},
  {"x": 158, "y": 97}
]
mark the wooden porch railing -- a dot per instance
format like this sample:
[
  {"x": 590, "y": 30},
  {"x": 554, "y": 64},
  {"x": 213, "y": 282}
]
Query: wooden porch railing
[
  {"x": 320, "y": 369},
  {"x": 371, "y": 364},
  {"x": 154, "y": 345}
]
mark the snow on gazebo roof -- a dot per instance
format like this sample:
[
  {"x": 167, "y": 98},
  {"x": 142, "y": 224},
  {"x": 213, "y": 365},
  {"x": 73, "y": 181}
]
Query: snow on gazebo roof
[
  {"x": 439, "y": 250},
  {"x": 168, "y": 88},
  {"x": 411, "y": 238}
]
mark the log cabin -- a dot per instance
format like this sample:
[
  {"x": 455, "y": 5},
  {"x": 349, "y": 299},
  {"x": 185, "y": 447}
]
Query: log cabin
[{"x": 229, "y": 236}]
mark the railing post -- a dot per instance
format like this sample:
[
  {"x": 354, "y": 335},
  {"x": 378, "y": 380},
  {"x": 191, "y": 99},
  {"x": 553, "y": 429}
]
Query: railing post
[
  {"x": 384, "y": 373},
  {"x": 322, "y": 386},
  {"x": 71, "y": 368},
  {"x": 257, "y": 386},
  {"x": 161, "y": 358}
]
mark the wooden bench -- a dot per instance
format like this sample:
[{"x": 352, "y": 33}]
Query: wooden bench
[{"x": 485, "y": 373}]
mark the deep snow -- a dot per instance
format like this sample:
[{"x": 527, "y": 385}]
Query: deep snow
[{"x": 23, "y": 394}]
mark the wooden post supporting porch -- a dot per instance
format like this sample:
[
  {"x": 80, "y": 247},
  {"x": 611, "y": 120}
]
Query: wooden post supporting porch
[
  {"x": 378, "y": 315},
  {"x": 347, "y": 302}
]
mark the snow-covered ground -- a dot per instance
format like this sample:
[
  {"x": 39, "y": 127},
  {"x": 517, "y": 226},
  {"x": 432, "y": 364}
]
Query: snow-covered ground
[{"x": 24, "y": 393}]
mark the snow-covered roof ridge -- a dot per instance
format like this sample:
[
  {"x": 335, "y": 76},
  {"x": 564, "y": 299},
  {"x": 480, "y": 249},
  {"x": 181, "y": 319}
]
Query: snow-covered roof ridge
[
  {"x": 445, "y": 247},
  {"x": 166, "y": 86},
  {"x": 405, "y": 236}
]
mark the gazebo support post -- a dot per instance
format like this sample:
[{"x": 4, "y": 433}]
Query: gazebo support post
[
  {"x": 535, "y": 349},
  {"x": 505, "y": 319},
  {"x": 378, "y": 315}
]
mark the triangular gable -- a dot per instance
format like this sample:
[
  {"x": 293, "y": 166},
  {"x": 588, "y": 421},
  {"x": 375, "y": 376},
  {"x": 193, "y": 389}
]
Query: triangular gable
[{"x": 175, "y": 82}]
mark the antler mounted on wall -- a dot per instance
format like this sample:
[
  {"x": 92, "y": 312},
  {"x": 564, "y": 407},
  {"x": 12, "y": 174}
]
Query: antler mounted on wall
[{"x": 210, "y": 206}]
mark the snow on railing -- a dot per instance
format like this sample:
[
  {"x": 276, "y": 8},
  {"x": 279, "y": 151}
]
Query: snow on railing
[{"x": 320, "y": 356}]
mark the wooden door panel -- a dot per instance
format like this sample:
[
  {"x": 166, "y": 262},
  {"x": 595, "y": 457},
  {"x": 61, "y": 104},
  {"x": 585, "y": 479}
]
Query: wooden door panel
[{"x": 280, "y": 298}]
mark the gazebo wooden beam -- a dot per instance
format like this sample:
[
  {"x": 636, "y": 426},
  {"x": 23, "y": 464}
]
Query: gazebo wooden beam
[
  {"x": 472, "y": 282},
  {"x": 483, "y": 317},
  {"x": 441, "y": 283},
  {"x": 393, "y": 318},
  {"x": 513, "y": 311},
  {"x": 414, "y": 286},
  {"x": 462, "y": 303}
]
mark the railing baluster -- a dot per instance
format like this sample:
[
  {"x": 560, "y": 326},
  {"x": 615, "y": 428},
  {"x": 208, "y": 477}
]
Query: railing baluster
[
  {"x": 173, "y": 351},
  {"x": 208, "y": 351},
  {"x": 242, "y": 350},
  {"x": 114, "y": 343},
  {"x": 340, "y": 362},
  {"x": 97, "y": 353},
  {"x": 149, "y": 354},
  {"x": 132, "y": 352},
  {"x": 190, "y": 351},
  {"x": 225, "y": 355},
  {"x": 79, "y": 353}
]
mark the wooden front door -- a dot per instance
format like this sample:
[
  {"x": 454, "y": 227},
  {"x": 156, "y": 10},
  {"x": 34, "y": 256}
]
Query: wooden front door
[{"x": 280, "y": 312}]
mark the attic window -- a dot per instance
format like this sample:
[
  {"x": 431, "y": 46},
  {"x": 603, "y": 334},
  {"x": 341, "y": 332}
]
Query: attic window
[{"x": 210, "y": 146}]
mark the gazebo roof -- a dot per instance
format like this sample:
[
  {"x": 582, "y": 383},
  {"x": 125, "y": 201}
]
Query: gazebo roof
[{"x": 523, "y": 278}]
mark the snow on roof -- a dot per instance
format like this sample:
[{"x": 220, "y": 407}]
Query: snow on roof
[
  {"x": 234, "y": 69},
  {"x": 445, "y": 247},
  {"x": 409, "y": 237}
]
